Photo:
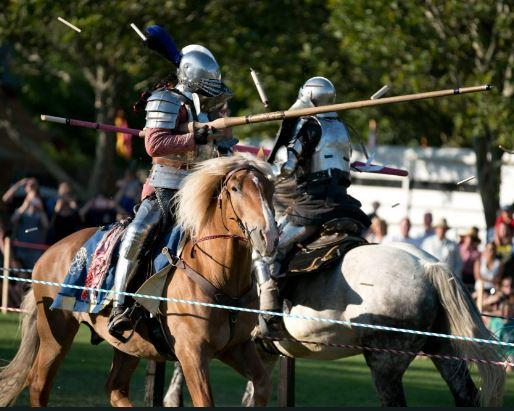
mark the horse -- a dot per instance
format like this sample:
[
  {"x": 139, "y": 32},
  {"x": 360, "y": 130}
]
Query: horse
[
  {"x": 395, "y": 285},
  {"x": 225, "y": 207}
]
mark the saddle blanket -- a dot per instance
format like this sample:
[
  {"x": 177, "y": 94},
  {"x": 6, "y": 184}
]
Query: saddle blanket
[
  {"x": 94, "y": 265},
  {"x": 321, "y": 254}
]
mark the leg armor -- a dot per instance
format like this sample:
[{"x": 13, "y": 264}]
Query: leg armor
[
  {"x": 266, "y": 268},
  {"x": 145, "y": 221},
  {"x": 291, "y": 234}
]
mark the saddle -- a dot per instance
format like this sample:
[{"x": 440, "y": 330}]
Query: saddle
[
  {"x": 94, "y": 266},
  {"x": 326, "y": 249}
]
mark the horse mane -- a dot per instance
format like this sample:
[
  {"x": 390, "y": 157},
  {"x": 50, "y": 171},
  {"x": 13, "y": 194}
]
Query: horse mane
[{"x": 196, "y": 200}]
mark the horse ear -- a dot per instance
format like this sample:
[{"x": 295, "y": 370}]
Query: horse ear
[
  {"x": 260, "y": 154},
  {"x": 160, "y": 41}
]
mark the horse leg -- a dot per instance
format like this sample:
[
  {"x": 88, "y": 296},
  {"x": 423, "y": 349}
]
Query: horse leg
[
  {"x": 56, "y": 332},
  {"x": 195, "y": 365},
  {"x": 456, "y": 374},
  {"x": 173, "y": 397},
  {"x": 244, "y": 358},
  {"x": 457, "y": 377},
  {"x": 387, "y": 371},
  {"x": 269, "y": 361},
  {"x": 118, "y": 382}
]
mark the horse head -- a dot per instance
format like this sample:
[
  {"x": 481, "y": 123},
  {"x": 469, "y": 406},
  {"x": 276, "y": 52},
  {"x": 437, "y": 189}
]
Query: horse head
[
  {"x": 234, "y": 193},
  {"x": 249, "y": 196}
]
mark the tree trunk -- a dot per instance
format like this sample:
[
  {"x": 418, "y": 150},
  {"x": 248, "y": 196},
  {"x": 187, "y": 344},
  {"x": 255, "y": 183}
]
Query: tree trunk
[
  {"x": 489, "y": 162},
  {"x": 32, "y": 149},
  {"x": 102, "y": 175}
]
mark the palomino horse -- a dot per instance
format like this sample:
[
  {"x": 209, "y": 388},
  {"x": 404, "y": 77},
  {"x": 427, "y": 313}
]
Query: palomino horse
[
  {"x": 226, "y": 204},
  {"x": 396, "y": 285}
]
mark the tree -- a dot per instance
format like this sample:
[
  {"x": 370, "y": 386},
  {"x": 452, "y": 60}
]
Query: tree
[
  {"x": 105, "y": 66},
  {"x": 78, "y": 74},
  {"x": 439, "y": 44}
]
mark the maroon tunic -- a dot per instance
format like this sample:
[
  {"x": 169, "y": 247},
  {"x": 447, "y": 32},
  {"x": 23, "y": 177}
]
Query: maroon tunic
[{"x": 161, "y": 142}]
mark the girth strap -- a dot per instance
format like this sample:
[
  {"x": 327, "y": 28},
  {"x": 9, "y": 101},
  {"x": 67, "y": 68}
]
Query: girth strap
[{"x": 207, "y": 287}]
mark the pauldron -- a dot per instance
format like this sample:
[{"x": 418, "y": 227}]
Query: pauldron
[{"x": 162, "y": 109}]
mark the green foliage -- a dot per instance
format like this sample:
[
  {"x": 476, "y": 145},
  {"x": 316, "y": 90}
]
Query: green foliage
[
  {"x": 360, "y": 45},
  {"x": 416, "y": 46}
]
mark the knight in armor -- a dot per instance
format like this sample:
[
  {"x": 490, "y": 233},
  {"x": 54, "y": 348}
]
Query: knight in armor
[
  {"x": 199, "y": 95},
  {"x": 311, "y": 160}
]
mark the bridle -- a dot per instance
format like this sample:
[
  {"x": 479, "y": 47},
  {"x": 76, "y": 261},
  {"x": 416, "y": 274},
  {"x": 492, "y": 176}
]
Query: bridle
[
  {"x": 224, "y": 190},
  {"x": 207, "y": 287}
]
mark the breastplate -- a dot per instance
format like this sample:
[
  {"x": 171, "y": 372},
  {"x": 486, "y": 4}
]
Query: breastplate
[
  {"x": 334, "y": 148},
  {"x": 201, "y": 152},
  {"x": 170, "y": 176}
]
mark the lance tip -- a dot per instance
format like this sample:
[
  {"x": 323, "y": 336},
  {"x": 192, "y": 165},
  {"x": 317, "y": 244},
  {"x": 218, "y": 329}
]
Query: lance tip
[{"x": 489, "y": 87}]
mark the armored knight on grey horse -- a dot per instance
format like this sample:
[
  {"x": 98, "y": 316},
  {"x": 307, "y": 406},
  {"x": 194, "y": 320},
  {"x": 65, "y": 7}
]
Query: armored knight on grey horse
[
  {"x": 199, "y": 95},
  {"x": 311, "y": 160}
]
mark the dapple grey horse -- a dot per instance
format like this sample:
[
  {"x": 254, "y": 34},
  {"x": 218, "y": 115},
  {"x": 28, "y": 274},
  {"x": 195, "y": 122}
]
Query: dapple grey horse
[{"x": 395, "y": 285}]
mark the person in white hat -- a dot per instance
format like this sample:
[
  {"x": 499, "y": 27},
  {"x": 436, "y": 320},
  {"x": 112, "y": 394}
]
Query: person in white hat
[{"x": 447, "y": 251}]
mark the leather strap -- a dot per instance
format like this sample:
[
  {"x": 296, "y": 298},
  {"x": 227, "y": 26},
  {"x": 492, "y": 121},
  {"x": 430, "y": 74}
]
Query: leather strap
[
  {"x": 216, "y": 236},
  {"x": 208, "y": 288},
  {"x": 170, "y": 163}
]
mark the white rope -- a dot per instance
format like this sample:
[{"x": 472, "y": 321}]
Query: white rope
[{"x": 255, "y": 311}]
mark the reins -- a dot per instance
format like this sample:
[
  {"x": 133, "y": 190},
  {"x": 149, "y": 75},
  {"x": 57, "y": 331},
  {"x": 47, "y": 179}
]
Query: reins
[
  {"x": 206, "y": 286},
  {"x": 238, "y": 220}
]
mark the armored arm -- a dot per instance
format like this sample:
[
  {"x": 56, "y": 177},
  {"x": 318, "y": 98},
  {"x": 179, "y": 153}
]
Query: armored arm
[
  {"x": 306, "y": 136},
  {"x": 165, "y": 115}
]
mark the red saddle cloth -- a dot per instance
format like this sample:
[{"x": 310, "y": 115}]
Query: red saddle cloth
[{"x": 102, "y": 258}]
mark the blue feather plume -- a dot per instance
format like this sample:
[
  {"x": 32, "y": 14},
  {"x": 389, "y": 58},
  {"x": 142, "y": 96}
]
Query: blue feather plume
[{"x": 160, "y": 41}]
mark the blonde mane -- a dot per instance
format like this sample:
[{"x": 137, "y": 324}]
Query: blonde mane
[{"x": 196, "y": 200}]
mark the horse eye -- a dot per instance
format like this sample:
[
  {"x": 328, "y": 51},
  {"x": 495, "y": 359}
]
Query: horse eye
[{"x": 234, "y": 189}]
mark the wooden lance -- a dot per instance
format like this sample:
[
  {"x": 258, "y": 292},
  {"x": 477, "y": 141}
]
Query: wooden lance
[{"x": 227, "y": 122}]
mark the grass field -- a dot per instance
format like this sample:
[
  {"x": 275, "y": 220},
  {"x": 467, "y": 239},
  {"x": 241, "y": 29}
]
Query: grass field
[{"x": 324, "y": 383}]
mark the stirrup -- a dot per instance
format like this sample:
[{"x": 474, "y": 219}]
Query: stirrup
[
  {"x": 119, "y": 322},
  {"x": 272, "y": 328}
]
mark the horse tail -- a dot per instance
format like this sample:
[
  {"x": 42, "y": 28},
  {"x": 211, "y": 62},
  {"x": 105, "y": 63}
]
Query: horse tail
[
  {"x": 465, "y": 320},
  {"x": 13, "y": 377}
]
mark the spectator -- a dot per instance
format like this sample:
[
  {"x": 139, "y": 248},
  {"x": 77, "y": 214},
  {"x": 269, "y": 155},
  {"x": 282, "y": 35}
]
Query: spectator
[
  {"x": 99, "y": 211},
  {"x": 469, "y": 255},
  {"x": 378, "y": 230},
  {"x": 375, "y": 205},
  {"x": 487, "y": 269},
  {"x": 506, "y": 216},
  {"x": 428, "y": 230},
  {"x": 65, "y": 218},
  {"x": 445, "y": 250},
  {"x": 30, "y": 225},
  {"x": 129, "y": 191},
  {"x": 503, "y": 240},
  {"x": 502, "y": 304},
  {"x": 10, "y": 194},
  {"x": 404, "y": 236}
]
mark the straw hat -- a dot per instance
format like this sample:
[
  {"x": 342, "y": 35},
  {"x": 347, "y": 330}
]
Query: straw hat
[
  {"x": 471, "y": 232},
  {"x": 441, "y": 223}
]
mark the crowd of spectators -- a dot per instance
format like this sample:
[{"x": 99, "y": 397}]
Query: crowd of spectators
[
  {"x": 485, "y": 268},
  {"x": 34, "y": 220}
]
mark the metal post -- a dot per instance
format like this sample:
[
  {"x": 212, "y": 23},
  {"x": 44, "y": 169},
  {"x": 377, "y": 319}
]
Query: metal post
[
  {"x": 286, "y": 382},
  {"x": 154, "y": 387},
  {"x": 5, "y": 282}
]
